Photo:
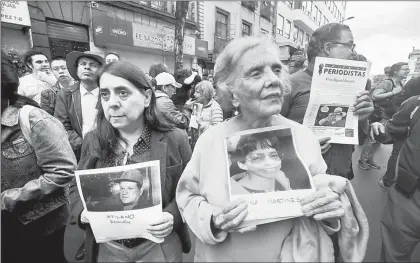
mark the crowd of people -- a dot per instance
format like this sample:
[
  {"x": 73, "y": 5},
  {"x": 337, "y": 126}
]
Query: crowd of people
[{"x": 86, "y": 111}]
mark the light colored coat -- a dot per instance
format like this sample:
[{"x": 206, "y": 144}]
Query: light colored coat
[{"x": 204, "y": 186}]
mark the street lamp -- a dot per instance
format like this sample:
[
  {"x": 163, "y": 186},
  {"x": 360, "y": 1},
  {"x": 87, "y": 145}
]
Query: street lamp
[{"x": 348, "y": 18}]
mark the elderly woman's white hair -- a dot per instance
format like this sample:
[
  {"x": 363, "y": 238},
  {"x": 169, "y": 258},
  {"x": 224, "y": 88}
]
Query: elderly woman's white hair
[{"x": 227, "y": 62}]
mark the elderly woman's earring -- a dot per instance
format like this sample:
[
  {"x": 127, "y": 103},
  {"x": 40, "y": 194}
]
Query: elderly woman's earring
[{"x": 235, "y": 104}]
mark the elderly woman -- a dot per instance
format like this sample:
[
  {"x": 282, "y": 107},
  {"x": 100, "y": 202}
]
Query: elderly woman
[
  {"x": 252, "y": 76},
  {"x": 211, "y": 113},
  {"x": 128, "y": 132}
]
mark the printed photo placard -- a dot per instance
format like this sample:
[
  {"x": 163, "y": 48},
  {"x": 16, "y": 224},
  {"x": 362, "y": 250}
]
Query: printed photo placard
[
  {"x": 121, "y": 201},
  {"x": 265, "y": 169}
]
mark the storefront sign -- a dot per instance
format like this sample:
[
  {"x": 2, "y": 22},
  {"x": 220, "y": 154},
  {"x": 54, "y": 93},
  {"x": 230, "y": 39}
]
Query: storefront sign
[
  {"x": 120, "y": 32},
  {"x": 160, "y": 39},
  {"x": 15, "y": 12},
  {"x": 100, "y": 28},
  {"x": 189, "y": 45},
  {"x": 201, "y": 48}
]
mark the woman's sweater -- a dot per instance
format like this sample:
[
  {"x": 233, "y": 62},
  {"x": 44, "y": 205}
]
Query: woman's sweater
[
  {"x": 211, "y": 115},
  {"x": 203, "y": 187}
]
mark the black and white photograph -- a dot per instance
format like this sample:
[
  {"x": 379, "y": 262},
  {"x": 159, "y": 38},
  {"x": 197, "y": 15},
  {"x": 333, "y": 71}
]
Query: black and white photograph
[
  {"x": 118, "y": 198},
  {"x": 265, "y": 161},
  {"x": 332, "y": 116},
  {"x": 120, "y": 191}
]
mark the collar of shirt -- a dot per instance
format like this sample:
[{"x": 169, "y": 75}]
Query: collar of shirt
[
  {"x": 160, "y": 93},
  {"x": 10, "y": 116},
  {"x": 84, "y": 91},
  {"x": 209, "y": 104},
  {"x": 146, "y": 137}
]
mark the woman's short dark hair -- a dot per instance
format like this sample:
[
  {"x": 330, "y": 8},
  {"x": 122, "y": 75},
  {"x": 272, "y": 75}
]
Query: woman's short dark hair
[
  {"x": 107, "y": 133},
  {"x": 10, "y": 84},
  {"x": 396, "y": 67},
  {"x": 322, "y": 35},
  {"x": 249, "y": 143}
]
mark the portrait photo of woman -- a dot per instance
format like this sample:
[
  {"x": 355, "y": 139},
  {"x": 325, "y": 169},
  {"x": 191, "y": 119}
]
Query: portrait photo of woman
[{"x": 257, "y": 163}]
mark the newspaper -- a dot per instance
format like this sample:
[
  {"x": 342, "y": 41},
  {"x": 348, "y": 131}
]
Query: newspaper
[
  {"x": 334, "y": 89},
  {"x": 121, "y": 202},
  {"x": 265, "y": 169}
]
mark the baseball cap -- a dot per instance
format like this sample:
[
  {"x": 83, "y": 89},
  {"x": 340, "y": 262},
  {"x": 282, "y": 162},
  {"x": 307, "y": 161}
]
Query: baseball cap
[{"x": 165, "y": 78}]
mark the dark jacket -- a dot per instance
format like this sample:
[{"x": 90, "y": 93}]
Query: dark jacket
[
  {"x": 172, "y": 150},
  {"x": 48, "y": 98},
  {"x": 397, "y": 129},
  {"x": 68, "y": 110},
  {"x": 34, "y": 177},
  {"x": 169, "y": 114}
]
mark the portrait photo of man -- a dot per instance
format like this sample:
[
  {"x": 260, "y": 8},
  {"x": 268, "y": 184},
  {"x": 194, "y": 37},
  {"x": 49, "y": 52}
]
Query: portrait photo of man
[{"x": 131, "y": 194}]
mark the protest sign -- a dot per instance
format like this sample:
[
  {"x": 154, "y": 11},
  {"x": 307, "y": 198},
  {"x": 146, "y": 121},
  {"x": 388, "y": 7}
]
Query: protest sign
[
  {"x": 334, "y": 89},
  {"x": 266, "y": 171},
  {"x": 122, "y": 201}
]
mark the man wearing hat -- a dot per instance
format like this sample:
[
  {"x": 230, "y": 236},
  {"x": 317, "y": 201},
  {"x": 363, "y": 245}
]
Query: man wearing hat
[
  {"x": 76, "y": 105},
  {"x": 166, "y": 87},
  {"x": 131, "y": 194}
]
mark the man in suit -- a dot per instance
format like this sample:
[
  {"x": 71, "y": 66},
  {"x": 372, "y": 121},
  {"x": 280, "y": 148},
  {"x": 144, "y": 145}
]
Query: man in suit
[
  {"x": 76, "y": 106},
  {"x": 131, "y": 194}
]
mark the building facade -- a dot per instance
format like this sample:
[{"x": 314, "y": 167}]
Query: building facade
[
  {"x": 142, "y": 32},
  {"x": 414, "y": 63},
  {"x": 294, "y": 22}
]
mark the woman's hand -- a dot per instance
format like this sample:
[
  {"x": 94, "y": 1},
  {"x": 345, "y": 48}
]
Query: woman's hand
[
  {"x": 363, "y": 107},
  {"x": 324, "y": 204},
  {"x": 325, "y": 144},
  {"x": 230, "y": 217},
  {"x": 163, "y": 227},
  {"x": 83, "y": 217},
  {"x": 375, "y": 129}
]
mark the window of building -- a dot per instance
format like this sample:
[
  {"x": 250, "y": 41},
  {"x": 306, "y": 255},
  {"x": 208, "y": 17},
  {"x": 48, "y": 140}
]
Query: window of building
[
  {"x": 307, "y": 38},
  {"x": 287, "y": 29},
  {"x": 303, "y": 7},
  {"x": 295, "y": 33},
  {"x": 289, "y": 4},
  {"x": 309, "y": 8},
  {"x": 315, "y": 13},
  {"x": 324, "y": 22},
  {"x": 264, "y": 32},
  {"x": 221, "y": 25},
  {"x": 319, "y": 17},
  {"x": 300, "y": 36},
  {"x": 280, "y": 25},
  {"x": 339, "y": 17},
  {"x": 246, "y": 28},
  {"x": 65, "y": 38},
  {"x": 334, "y": 11}
]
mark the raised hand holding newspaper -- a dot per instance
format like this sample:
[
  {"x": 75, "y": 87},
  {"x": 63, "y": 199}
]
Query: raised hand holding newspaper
[
  {"x": 334, "y": 89},
  {"x": 121, "y": 202}
]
